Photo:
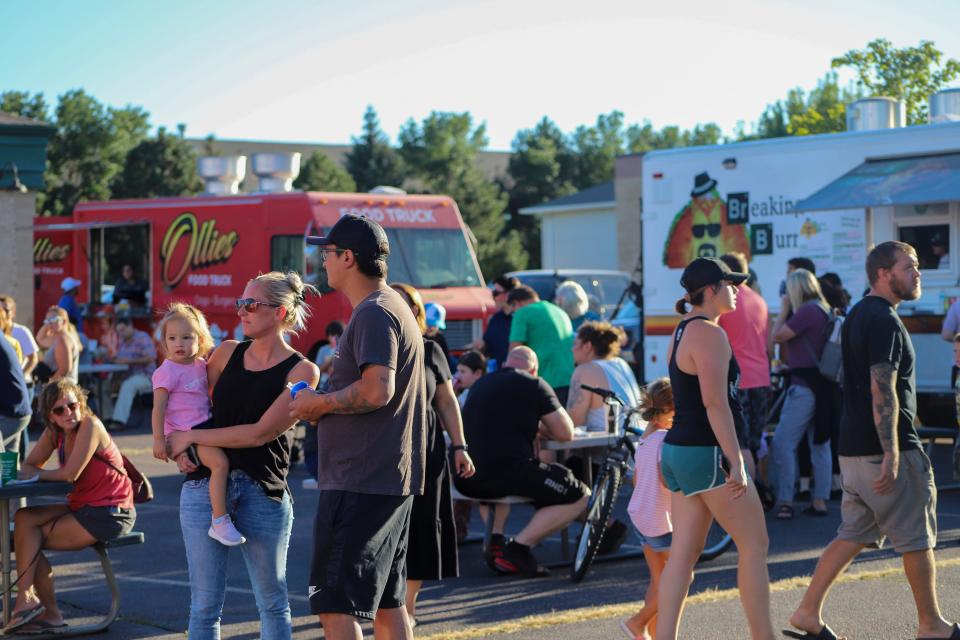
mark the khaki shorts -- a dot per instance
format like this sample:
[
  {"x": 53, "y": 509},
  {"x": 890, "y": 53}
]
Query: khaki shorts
[{"x": 907, "y": 515}]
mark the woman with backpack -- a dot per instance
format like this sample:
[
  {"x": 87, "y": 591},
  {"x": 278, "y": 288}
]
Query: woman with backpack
[
  {"x": 99, "y": 508},
  {"x": 808, "y": 405}
]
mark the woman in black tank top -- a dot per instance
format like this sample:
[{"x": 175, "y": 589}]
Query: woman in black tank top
[
  {"x": 251, "y": 422},
  {"x": 701, "y": 460}
]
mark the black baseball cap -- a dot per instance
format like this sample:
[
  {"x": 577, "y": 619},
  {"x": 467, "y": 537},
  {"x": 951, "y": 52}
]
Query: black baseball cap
[
  {"x": 361, "y": 235},
  {"x": 703, "y": 272}
]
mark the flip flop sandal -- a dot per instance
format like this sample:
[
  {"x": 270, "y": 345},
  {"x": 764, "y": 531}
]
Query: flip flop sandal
[
  {"x": 953, "y": 636},
  {"x": 785, "y": 512},
  {"x": 24, "y": 617},
  {"x": 41, "y": 627},
  {"x": 826, "y": 633}
]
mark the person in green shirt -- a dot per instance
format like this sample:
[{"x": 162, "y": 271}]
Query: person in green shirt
[{"x": 545, "y": 328}]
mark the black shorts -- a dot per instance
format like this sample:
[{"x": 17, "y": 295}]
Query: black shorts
[
  {"x": 545, "y": 484},
  {"x": 106, "y": 523},
  {"x": 359, "y": 553}
]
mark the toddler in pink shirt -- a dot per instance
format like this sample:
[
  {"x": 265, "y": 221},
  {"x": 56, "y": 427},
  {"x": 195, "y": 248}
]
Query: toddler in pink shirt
[
  {"x": 649, "y": 507},
  {"x": 181, "y": 401}
]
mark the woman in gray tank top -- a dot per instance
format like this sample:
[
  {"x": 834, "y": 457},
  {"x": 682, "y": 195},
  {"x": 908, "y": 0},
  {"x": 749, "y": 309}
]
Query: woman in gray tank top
[
  {"x": 596, "y": 350},
  {"x": 62, "y": 344}
]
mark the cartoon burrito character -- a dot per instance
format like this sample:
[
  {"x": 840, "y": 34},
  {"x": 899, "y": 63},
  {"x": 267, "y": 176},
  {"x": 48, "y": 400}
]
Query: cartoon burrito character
[{"x": 700, "y": 229}]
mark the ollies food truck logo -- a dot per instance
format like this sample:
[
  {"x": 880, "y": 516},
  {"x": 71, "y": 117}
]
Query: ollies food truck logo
[
  {"x": 190, "y": 244},
  {"x": 44, "y": 250}
]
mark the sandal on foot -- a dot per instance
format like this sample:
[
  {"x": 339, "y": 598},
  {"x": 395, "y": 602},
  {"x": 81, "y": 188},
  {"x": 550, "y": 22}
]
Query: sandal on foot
[
  {"x": 21, "y": 618},
  {"x": 826, "y": 633},
  {"x": 785, "y": 512},
  {"x": 813, "y": 511},
  {"x": 953, "y": 636},
  {"x": 41, "y": 627}
]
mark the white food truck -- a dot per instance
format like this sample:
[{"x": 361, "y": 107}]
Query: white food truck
[{"x": 826, "y": 197}]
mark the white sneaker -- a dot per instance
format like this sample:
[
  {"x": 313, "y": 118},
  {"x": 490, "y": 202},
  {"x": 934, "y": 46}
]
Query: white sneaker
[
  {"x": 309, "y": 483},
  {"x": 225, "y": 533}
]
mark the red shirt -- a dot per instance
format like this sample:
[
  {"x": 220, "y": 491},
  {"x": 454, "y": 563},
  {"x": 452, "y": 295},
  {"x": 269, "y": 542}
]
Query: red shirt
[
  {"x": 747, "y": 328},
  {"x": 100, "y": 484}
]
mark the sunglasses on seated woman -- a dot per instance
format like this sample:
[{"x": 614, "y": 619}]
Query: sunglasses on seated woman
[
  {"x": 250, "y": 305},
  {"x": 64, "y": 408}
]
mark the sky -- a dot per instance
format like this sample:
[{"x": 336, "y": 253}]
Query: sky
[{"x": 305, "y": 71}]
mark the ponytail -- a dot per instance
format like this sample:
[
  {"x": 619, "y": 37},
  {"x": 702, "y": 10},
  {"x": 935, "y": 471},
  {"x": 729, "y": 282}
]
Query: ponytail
[{"x": 681, "y": 306}]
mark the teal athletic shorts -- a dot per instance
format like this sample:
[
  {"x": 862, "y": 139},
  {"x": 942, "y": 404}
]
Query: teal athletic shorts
[{"x": 692, "y": 470}]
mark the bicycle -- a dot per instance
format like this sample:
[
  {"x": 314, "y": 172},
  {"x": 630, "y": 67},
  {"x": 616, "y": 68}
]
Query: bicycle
[{"x": 606, "y": 488}]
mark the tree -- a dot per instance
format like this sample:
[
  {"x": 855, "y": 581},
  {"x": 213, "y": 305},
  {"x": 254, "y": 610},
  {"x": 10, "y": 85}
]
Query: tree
[
  {"x": 640, "y": 138},
  {"x": 320, "y": 173},
  {"x": 441, "y": 154},
  {"x": 825, "y": 110},
  {"x": 161, "y": 166},
  {"x": 541, "y": 169},
  {"x": 596, "y": 150},
  {"x": 88, "y": 150},
  {"x": 911, "y": 74},
  {"x": 21, "y": 103},
  {"x": 372, "y": 161}
]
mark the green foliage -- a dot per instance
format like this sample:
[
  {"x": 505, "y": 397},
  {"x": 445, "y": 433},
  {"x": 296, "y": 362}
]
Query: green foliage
[
  {"x": 88, "y": 150},
  {"x": 440, "y": 154},
  {"x": 911, "y": 74},
  {"x": 640, "y": 138},
  {"x": 320, "y": 173},
  {"x": 21, "y": 103},
  {"x": 372, "y": 161},
  {"x": 823, "y": 110},
  {"x": 596, "y": 149},
  {"x": 162, "y": 166}
]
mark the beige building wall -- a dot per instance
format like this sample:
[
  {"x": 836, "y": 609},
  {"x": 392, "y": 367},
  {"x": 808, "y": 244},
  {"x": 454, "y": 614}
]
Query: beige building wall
[
  {"x": 628, "y": 187},
  {"x": 16, "y": 251}
]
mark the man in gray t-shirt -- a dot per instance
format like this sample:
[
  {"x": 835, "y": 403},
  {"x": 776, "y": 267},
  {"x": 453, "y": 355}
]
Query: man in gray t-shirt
[{"x": 371, "y": 441}]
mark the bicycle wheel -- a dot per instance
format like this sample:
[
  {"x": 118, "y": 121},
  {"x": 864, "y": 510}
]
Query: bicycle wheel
[
  {"x": 718, "y": 541},
  {"x": 594, "y": 526}
]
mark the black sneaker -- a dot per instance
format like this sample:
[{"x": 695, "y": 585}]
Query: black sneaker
[
  {"x": 615, "y": 535},
  {"x": 521, "y": 558},
  {"x": 494, "y": 556}
]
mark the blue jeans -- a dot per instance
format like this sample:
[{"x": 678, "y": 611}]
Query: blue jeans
[
  {"x": 796, "y": 421},
  {"x": 266, "y": 523}
]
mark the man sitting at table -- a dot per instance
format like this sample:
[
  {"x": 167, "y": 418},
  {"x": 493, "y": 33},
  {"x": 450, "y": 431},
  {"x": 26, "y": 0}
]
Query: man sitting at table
[
  {"x": 136, "y": 349},
  {"x": 505, "y": 412}
]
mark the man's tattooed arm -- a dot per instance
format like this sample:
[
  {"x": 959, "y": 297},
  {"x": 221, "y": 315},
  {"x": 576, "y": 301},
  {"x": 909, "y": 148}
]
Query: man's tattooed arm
[
  {"x": 886, "y": 407},
  {"x": 372, "y": 391}
]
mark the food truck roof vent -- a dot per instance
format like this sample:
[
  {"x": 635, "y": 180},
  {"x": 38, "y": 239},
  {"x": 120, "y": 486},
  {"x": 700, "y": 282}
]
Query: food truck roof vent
[
  {"x": 276, "y": 171},
  {"x": 874, "y": 113},
  {"x": 945, "y": 106},
  {"x": 391, "y": 191},
  {"x": 222, "y": 175}
]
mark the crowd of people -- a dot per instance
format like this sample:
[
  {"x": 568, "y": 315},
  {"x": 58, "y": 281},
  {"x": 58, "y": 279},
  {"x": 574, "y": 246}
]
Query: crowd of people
[{"x": 393, "y": 421}]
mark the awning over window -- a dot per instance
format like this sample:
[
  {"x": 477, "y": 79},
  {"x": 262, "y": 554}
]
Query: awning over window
[{"x": 885, "y": 183}]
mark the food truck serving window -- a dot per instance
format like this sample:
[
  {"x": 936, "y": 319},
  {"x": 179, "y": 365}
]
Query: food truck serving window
[
  {"x": 119, "y": 265},
  {"x": 932, "y": 243}
]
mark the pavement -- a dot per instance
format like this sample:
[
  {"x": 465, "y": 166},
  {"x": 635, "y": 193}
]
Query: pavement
[{"x": 872, "y": 602}]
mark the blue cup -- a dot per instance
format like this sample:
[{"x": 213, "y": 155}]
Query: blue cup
[{"x": 297, "y": 388}]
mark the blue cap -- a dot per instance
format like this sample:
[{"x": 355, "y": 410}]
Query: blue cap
[{"x": 436, "y": 315}]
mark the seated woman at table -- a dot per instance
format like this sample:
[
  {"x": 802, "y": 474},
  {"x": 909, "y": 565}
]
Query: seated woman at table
[
  {"x": 596, "y": 352},
  {"x": 100, "y": 506},
  {"x": 62, "y": 344}
]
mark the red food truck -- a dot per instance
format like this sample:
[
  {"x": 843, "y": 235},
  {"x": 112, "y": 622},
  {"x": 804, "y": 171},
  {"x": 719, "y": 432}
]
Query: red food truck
[{"x": 202, "y": 250}]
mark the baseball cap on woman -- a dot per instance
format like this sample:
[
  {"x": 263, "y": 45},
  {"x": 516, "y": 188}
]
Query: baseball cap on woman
[{"x": 703, "y": 272}]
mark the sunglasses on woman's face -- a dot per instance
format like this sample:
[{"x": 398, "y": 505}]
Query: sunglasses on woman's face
[
  {"x": 64, "y": 408},
  {"x": 250, "y": 305}
]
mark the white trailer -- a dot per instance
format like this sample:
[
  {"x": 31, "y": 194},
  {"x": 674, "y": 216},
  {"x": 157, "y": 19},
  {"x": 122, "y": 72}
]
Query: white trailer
[{"x": 825, "y": 197}]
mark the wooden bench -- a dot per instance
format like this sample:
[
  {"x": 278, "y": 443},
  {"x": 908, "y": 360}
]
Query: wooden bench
[
  {"x": 101, "y": 548},
  {"x": 492, "y": 505}
]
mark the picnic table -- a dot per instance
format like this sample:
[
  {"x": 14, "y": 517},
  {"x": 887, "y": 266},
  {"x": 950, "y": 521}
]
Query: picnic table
[{"x": 12, "y": 492}]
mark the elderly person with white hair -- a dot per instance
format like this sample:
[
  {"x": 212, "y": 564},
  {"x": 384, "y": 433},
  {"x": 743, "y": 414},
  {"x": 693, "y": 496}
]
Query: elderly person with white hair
[{"x": 571, "y": 297}]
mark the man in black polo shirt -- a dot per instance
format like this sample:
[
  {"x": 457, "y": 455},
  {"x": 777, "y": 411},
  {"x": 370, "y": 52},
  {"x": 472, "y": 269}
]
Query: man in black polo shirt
[
  {"x": 888, "y": 488},
  {"x": 505, "y": 412}
]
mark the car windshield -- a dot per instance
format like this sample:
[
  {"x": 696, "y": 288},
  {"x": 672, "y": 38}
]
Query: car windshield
[{"x": 425, "y": 258}]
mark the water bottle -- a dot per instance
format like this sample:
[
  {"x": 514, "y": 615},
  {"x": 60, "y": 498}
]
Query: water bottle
[
  {"x": 491, "y": 365},
  {"x": 297, "y": 388}
]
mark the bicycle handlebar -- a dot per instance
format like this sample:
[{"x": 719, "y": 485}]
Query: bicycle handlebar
[{"x": 606, "y": 394}]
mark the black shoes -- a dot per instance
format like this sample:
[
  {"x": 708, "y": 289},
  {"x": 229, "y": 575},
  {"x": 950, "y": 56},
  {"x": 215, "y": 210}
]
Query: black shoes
[
  {"x": 615, "y": 535},
  {"x": 520, "y": 559}
]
